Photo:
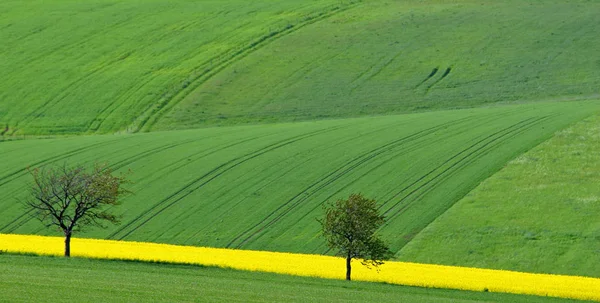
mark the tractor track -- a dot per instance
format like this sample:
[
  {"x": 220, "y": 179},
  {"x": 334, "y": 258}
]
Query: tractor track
[
  {"x": 328, "y": 179},
  {"x": 477, "y": 149},
  {"x": 19, "y": 173},
  {"x": 199, "y": 182},
  {"x": 386, "y": 148},
  {"x": 152, "y": 115}
]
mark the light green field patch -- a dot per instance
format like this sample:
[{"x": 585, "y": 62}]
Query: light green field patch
[
  {"x": 540, "y": 213},
  {"x": 101, "y": 66},
  {"x": 105, "y": 66},
  {"x": 404, "y": 56}
]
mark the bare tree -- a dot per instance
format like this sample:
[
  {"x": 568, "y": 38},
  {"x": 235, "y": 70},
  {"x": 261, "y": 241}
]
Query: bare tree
[
  {"x": 71, "y": 198},
  {"x": 349, "y": 227}
]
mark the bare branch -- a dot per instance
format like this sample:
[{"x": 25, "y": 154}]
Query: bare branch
[{"x": 72, "y": 198}]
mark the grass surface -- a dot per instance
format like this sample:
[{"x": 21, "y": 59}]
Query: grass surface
[
  {"x": 103, "y": 65},
  {"x": 30, "y": 278},
  {"x": 402, "y": 56},
  {"x": 540, "y": 213},
  {"x": 156, "y": 65},
  {"x": 262, "y": 187}
]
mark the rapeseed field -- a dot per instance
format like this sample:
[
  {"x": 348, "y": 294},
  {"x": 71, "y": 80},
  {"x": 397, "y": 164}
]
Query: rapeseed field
[{"x": 403, "y": 273}]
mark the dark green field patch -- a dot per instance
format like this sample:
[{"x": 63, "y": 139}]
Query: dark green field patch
[{"x": 262, "y": 187}]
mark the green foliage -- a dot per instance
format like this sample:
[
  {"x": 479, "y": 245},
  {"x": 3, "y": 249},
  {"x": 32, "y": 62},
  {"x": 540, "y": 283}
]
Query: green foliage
[
  {"x": 261, "y": 187},
  {"x": 42, "y": 279},
  {"x": 538, "y": 214},
  {"x": 349, "y": 226},
  {"x": 156, "y": 65}
]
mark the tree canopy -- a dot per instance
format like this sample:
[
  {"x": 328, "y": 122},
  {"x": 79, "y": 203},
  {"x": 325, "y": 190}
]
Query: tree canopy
[
  {"x": 350, "y": 226},
  {"x": 71, "y": 198}
]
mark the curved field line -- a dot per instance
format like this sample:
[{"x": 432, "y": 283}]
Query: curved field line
[
  {"x": 510, "y": 129},
  {"x": 328, "y": 179},
  {"x": 66, "y": 91},
  {"x": 473, "y": 150},
  {"x": 513, "y": 131},
  {"x": 257, "y": 233},
  {"x": 115, "y": 166},
  {"x": 204, "y": 179},
  {"x": 448, "y": 175},
  {"x": 454, "y": 157},
  {"x": 96, "y": 123},
  {"x": 289, "y": 169},
  {"x": 433, "y": 72},
  {"x": 23, "y": 218},
  {"x": 19, "y": 173},
  {"x": 154, "y": 114},
  {"x": 446, "y": 73}
]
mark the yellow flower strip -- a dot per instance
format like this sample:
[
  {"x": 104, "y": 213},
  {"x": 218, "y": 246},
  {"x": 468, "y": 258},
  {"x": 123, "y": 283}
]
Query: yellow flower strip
[{"x": 425, "y": 275}]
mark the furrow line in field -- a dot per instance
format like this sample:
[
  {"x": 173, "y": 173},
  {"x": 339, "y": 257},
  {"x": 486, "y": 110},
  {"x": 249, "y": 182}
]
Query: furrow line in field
[
  {"x": 444, "y": 75},
  {"x": 474, "y": 150},
  {"x": 294, "y": 167},
  {"x": 325, "y": 181},
  {"x": 21, "y": 172},
  {"x": 431, "y": 186},
  {"x": 18, "y": 221},
  {"x": 197, "y": 183},
  {"x": 433, "y": 72},
  {"x": 449, "y": 160},
  {"x": 395, "y": 153},
  {"x": 154, "y": 114},
  {"x": 511, "y": 132},
  {"x": 136, "y": 157},
  {"x": 96, "y": 123},
  {"x": 115, "y": 166}
]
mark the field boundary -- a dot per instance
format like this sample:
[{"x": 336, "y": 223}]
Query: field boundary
[{"x": 401, "y": 273}]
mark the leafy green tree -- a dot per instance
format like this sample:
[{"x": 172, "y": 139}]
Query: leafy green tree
[
  {"x": 349, "y": 226},
  {"x": 71, "y": 198}
]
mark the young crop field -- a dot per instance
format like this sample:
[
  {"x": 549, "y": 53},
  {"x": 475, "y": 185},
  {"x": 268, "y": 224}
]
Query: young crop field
[
  {"x": 100, "y": 66},
  {"x": 262, "y": 187},
  {"x": 116, "y": 281},
  {"x": 539, "y": 214}
]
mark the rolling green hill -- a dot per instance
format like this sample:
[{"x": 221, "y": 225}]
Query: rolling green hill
[
  {"x": 540, "y": 213},
  {"x": 262, "y": 187},
  {"x": 102, "y": 66},
  {"x": 117, "y": 281},
  {"x": 239, "y": 119}
]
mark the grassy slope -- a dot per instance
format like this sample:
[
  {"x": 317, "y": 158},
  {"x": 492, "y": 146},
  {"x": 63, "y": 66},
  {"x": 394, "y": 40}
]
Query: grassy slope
[
  {"x": 116, "y": 281},
  {"x": 377, "y": 59},
  {"x": 261, "y": 187},
  {"x": 540, "y": 213},
  {"x": 71, "y": 66},
  {"x": 126, "y": 65}
]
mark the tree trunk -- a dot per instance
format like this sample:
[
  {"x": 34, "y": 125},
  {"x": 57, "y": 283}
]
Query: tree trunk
[
  {"x": 348, "y": 268},
  {"x": 67, "y": 244}
]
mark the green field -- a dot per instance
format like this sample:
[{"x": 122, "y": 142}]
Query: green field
[
  {"x": 540, "y": 213},
  {"x": 239, "y": 119},
  {"x": 37, "y": 279},
  {"x": 103, "y": 66},
  {"x": 262, "y": 187}
]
